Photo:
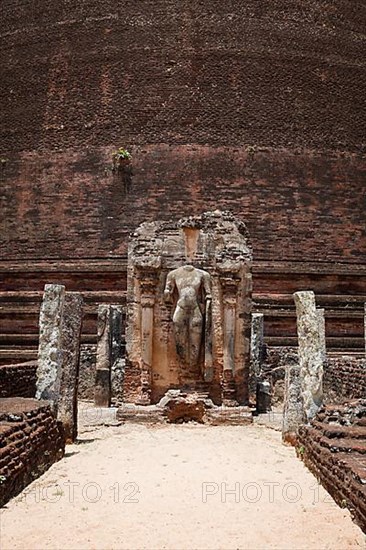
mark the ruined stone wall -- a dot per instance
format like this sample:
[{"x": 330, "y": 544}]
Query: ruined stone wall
[
  {"x": 31, "y": 441},
  {"x": 18, "y": 380}
]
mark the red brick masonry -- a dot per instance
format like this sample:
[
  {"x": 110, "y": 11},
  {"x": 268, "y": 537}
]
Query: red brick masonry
[
  {"x": 30, "y": 441},
  {"x": 18, "y": 380},
  {"x": 334, "y": 449},
  {"x": 345, "y": 378}
]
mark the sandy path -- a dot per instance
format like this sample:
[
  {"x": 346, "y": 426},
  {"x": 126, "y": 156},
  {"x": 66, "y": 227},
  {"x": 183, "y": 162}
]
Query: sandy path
[{"x": 164, "y": 487}]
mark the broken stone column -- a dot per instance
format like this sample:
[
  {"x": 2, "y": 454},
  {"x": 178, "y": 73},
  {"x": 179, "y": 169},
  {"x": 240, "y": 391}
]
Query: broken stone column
[
  {"x": 49, "y": 348},
  {"x": 310, "y": 353},
  {"x": 116, "y": 351},
  {"x": 102, "y": 392},
  {"x": 256, "y": 350},
  {"x": 256, "y": 343},
  {"x": 321, "y": 323},
  {"x": 70, "y": 346},
  {"x": 293, "y": 411}
]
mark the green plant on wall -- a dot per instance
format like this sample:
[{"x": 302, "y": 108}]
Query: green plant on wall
[{"x": 121, "y": 153}]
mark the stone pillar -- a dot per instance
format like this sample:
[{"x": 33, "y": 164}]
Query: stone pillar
[
  {"x": 365, "y": 329},
  {"x": 256, "y": 352},
  {"x": 256, "y": 343},
  {"x": 293, "y": 412},
  {"x": 102, "y": 393},
  {"x": 310, "y": 353},
  {"x": 229, "y": 289},
  {"x": 49, "y": 349},
  {"x": 116, "y": 351},
  {"x": 70, "y": 345},
  {"x": 148, "y": 286},
  {"x": 321, "y": 323}
]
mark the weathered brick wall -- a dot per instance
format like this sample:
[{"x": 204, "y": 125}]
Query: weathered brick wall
[
  {"x": 298, "y": 206},
  {"x": 268, "y": 73},
  {"x": 246, "y": 105},
  {"x": 18, "y": 380},
  {"x": 30, "y": 441},
  {"x": 334, "y": 449},
  {"x": 345, "y": 378}
]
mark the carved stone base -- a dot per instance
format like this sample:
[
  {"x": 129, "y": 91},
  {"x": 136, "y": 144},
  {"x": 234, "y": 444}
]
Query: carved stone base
[{"x": 178, "y": 407}]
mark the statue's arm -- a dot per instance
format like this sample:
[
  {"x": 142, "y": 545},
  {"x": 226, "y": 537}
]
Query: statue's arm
[
  {"x": 169, "y": 288},
  {"x": 207, "y": 286}
]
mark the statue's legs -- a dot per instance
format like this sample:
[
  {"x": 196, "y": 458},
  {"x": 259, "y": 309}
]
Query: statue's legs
[
  {"x": 188, "y": 334},
  {"x": 195, "y": 336},
  {"x": 181, "y": 333}
]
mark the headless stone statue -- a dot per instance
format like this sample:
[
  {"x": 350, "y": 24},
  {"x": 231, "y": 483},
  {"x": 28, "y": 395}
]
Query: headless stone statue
[{"x": 188, "y": 318}]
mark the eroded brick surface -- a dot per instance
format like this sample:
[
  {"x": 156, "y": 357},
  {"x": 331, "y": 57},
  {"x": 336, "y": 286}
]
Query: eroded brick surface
[
  {"x": 30, "y": 441},
  {"x": 334, "y": 449},
  {"x": 345, "y": 378},
  {"x": 18, "y": 380}
]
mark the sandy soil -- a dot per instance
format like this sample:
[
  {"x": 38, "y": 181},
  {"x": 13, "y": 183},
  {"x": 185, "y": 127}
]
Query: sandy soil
[{"x": 168, "y": 487}]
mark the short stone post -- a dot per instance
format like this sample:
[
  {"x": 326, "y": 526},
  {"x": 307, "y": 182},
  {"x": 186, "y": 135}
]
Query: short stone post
[
  {"x": 310, "y": 353},
  {"x": 293, "y": 412},
  {"x": 70, "y": 346},
  {"x": 263, "y": 396},
  {"x": 102, "y": 393},
  {"x": 49, "y": 348}
]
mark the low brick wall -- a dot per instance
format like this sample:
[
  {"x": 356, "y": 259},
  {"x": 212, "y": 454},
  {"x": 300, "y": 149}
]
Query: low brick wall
[
  {"x": 344, "y": 375},
  {"x": 30, "y": 441},
  {"x": 18, "y": 380},
  {"x": 344, "y": 378},
  {"x": 333, "y": 447}
]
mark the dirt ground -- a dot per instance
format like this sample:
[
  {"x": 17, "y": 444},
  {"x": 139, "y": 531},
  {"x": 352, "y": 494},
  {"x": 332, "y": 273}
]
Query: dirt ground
[{"x": 177, "y": 487}]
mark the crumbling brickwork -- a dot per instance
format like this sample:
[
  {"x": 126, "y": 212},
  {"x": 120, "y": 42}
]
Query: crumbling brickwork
[
  {"x": 344, "y": 378},
  {"x": 274, "y": 191},
  {"x": 31, "y": 440},
  {"x": 18, "y": 380},
  {"x": 334, "y": 449},
  {"x": 262, "y": 73}
]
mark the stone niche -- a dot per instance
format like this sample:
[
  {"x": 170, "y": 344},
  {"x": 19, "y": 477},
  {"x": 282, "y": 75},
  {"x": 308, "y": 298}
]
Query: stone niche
[{"x": 189, "y": 310}]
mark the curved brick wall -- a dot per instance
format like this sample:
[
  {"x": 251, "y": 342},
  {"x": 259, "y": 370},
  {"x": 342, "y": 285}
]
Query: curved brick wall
[
  {"x": 268, "y": 73},
  {"x": 195, "y": 89}
]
